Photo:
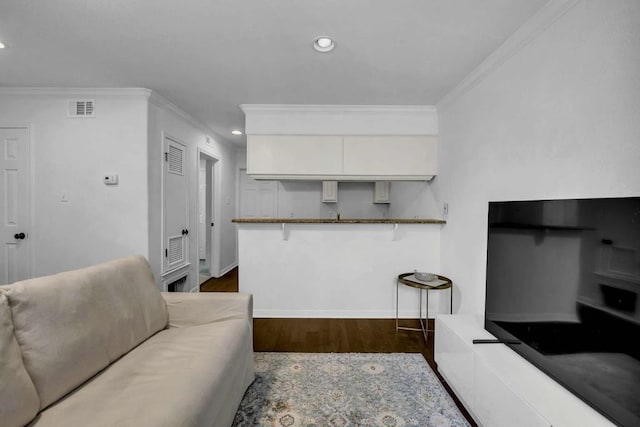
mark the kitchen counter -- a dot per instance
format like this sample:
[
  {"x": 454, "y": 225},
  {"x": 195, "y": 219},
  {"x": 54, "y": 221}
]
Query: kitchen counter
[
  {"x": 330, "y": 268},
  {"x": 336, "y": 221}
]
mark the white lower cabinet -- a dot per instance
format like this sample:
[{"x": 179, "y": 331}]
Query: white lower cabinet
[
  {"x": 496, "y": 404},
  {"x": 455, "y": 359},
  {"x": 499, "y": 387}
]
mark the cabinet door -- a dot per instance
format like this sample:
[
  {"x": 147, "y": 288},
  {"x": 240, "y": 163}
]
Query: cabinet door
[
  {"x": 390, "y": 156},
  {"x": 497, "y": 405},
  {"x": 284, "y": 155},
  {"x": 329, "y": 191},
  {"x": 455, "y": 362},
  {"x": 174, "y": 204},
  {"x": 382, "y": 192}
]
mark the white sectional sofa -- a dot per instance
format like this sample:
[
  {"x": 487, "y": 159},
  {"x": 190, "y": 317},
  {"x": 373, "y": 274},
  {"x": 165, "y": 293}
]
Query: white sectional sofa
[{"x": 102, "y": 346}]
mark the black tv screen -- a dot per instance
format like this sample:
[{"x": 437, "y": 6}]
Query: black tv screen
[{"x": 563, "y": 278}]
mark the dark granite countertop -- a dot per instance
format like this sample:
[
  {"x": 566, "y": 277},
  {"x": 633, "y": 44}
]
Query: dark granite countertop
[{"x": 336, "y": 221}]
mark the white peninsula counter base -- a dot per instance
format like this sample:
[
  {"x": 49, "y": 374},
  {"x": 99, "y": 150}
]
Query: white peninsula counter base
[{"x": 336, "y": 269}]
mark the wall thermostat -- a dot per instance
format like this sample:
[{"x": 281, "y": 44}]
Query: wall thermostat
[{"x": 111, "y": 179}]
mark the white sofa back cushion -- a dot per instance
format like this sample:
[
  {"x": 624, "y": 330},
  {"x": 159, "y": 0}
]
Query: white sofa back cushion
[
  {"x": 72, "y": 325},
  {"x": 19, "y": 401}
]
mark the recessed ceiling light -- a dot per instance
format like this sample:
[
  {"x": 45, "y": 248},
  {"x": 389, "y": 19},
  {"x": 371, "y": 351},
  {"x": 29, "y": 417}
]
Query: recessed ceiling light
[
  {"x": 236, "y": 132},
  {"x": 1, "y": 45},
  {"x": 324, "y": 44}
]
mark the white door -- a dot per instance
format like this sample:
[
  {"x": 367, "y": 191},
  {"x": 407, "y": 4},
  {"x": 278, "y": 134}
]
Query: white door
[
  {"x": 202, "y": 209},
  {"x": 258, "y": 198},
  {"x": 15, "y": 207},
  {"x": 175, "y": 204},
  {"x": 213, "y": 240}
]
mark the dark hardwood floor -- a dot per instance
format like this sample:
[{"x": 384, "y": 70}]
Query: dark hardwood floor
[
  {"x": 334, "y": 335},
  {"x": 226, "y": 283}
]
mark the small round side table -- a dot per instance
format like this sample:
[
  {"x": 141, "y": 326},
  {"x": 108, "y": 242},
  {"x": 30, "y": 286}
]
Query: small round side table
[{"x": 439, "y": 284}]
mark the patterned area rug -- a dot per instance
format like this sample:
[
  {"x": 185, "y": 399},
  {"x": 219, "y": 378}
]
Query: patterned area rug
[{"x": 346, "y": 389}]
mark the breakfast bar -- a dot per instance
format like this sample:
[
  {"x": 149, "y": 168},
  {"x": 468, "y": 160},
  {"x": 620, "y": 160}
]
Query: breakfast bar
[{"x": 336, "y": 268}]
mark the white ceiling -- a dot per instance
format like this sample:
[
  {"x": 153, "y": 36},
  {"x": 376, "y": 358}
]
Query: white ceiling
[{"x": 210, "y": 56}]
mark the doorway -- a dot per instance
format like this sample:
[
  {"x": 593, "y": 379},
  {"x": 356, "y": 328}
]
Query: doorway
[
  {"x": 15, "y": 195},
  {"x": 208, "y": 241}
]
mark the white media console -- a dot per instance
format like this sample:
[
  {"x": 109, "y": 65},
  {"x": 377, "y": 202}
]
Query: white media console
[{"x": 499, "y": 387}]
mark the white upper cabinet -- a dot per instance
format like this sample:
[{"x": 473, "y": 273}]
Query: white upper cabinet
[
  {"x": 391, "y": 157},
  {"x": 329, "y": 191},
  {"x": 293, "y": 156},
  {"x": 341, "y": 142},
  {"x": 382, "y": 192},
  {"x": 348, "y": 158}
]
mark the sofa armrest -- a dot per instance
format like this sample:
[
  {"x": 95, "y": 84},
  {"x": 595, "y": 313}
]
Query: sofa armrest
[{"x": 190, "y": 309}]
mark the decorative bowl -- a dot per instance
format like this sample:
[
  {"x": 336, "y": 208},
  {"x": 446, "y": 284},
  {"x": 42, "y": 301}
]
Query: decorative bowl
[{"x": 425, "y": 277}]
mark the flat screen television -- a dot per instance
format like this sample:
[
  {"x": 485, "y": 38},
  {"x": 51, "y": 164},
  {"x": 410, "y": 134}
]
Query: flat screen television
[{"x": 563, "y": 278}]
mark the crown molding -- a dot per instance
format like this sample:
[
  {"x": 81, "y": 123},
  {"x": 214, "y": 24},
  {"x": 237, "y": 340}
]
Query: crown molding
[
  {"x": 308, "y": 108},
  {"x": 65, "y": 91},
  {"x": 152, "y": 97},
  {"x": 531, "y": 30},
  {"x": 160, "y": 101}
]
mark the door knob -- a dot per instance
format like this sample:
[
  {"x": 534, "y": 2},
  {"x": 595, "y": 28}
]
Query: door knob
[
  {"x": 19, "y": 236},
  {"x": 185, "y": 232}
]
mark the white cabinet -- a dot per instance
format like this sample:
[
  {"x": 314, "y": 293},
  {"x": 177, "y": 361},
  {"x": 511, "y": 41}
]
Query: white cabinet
[
  {"x": 500, "y": 388},
  {"x": 496, "y": 404},
  {"x": 329, "y": 191},
  {"x": 382, "y": 192},
  {"x": 455, "y": 361},
  {"x": 293, "y": 156},
  {"x": 342, "y": 158},
  {"x": 390, "y": 157}
]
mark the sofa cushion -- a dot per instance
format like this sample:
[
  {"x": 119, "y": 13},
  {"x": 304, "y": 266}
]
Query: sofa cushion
[
  {"x": 19, "y": 401},
  {"x": 72, "y": 325},
  {"x": 189, "y": 309},
  {"x": 187, "y": 377}
]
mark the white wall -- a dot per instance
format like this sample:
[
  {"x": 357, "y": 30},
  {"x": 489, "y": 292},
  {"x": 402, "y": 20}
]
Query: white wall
[
  {"x": 303, "y": 199},
  {"x": 99, "y": 222},
  {"x": 165, "y": 117},
  {"x": 557, "y": 119},
  {"x": 413, "y": 199}
]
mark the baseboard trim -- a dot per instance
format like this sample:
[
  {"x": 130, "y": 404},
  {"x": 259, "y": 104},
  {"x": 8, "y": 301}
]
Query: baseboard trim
[
  {"x": 335, "y": 314},
  {"x": 227, "y": 269}
]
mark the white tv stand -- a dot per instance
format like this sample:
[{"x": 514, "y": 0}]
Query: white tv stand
[{"x": 499, "y": 387}]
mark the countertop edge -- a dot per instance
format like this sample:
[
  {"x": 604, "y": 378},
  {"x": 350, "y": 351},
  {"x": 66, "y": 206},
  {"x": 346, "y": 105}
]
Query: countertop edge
[{"x": 336, "y": 221}]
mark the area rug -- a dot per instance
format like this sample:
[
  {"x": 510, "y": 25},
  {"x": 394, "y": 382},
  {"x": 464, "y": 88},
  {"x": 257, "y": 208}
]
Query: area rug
[{"x": 346, "y": 389}]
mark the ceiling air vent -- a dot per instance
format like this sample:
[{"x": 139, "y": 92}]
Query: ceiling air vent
[{"x": 81, "y": 108}]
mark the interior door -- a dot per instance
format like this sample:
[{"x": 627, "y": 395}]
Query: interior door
[
  {"x": 15, "y": 207},
  {"x": 202, "y": 207},
  {"x": 212, "y": 244},
  {"x": 175, "y": 204}
]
